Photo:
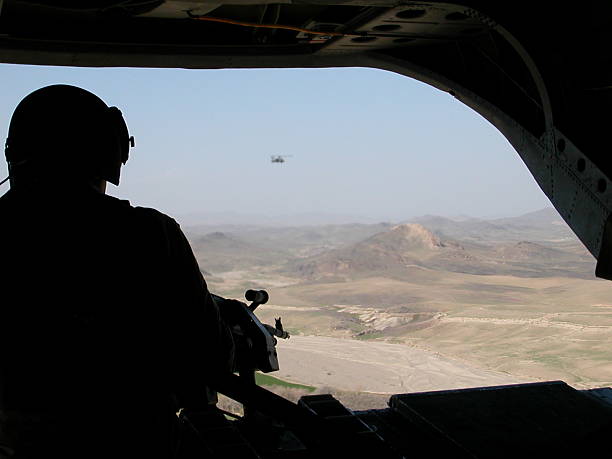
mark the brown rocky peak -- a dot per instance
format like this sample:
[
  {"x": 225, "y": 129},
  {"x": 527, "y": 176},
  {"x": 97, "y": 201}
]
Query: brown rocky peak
[{"x": 418, "y": 235}]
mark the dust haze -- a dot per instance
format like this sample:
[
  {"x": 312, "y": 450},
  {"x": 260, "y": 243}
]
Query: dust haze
[{"x": 423, "y": 304}]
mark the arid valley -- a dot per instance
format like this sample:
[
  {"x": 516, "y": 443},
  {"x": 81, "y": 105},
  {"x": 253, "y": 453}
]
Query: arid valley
[{"x": 426, "y": 304}]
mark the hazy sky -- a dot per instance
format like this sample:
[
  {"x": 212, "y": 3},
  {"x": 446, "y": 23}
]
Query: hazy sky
[{"x": 363, "y": 142}]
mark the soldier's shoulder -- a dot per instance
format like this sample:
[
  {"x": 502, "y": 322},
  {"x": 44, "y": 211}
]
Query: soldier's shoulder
[
  {"x": 154, "y": 214},
  {"x": 152, "y": 217},
  {"x": 145, "y": 213}
]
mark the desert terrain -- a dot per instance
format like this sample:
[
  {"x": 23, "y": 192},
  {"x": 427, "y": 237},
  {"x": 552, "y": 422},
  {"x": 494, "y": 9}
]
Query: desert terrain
[{"x": 424, "y": 304}]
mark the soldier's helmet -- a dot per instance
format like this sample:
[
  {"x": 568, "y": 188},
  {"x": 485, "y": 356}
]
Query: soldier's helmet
[{"x": 67, "y": 133}]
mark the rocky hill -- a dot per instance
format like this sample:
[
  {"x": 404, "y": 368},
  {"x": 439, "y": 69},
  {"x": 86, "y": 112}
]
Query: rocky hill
[
  {"x": 389, "y": 253},
  {"x": 394, "y": 253}
]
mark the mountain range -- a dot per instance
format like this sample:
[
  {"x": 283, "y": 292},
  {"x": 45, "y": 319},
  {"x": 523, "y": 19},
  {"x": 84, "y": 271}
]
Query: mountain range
[{"x": 538, "y": 244}]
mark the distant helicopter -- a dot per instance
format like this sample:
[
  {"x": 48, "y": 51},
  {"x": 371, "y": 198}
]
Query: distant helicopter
[{"x": 279, "y": 158}]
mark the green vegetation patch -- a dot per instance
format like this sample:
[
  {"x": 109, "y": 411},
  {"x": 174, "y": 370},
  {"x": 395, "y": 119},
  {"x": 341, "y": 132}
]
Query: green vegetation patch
[
  {"x": 369, "y": 335},
  {"x": 266, "y": 380}
]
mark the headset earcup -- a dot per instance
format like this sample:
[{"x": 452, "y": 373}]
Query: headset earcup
[
  {"x": 118, "y": 146},
  {"x": 123, "y": 136}
]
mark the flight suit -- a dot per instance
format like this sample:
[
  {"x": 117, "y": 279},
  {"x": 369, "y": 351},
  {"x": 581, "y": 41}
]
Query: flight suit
[{"x": 105, "y": 321}]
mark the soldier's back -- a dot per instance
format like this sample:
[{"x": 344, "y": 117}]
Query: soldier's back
[{"x": 86, "y": 338}]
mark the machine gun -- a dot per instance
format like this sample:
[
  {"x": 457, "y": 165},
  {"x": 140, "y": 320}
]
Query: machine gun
[
  {"x": 255, "y": 341},
  {"x": 271, "y": 424},
  {"x": 255, "y": 350}
]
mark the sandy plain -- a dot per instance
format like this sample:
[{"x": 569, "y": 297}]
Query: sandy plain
[
  {"x": 373, "y": 366},
  {"x": 543, "y": 329}
]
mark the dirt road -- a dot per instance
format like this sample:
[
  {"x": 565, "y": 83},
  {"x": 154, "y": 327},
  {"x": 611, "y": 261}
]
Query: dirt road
[{"x": 371, "y": 366}]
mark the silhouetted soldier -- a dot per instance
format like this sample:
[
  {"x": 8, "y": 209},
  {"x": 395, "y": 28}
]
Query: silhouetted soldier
[{"x": 104, "y": 315}]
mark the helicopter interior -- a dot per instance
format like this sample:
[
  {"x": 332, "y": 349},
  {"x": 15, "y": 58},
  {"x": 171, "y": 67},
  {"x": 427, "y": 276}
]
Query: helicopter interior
[{"x": 541, "y": 74}]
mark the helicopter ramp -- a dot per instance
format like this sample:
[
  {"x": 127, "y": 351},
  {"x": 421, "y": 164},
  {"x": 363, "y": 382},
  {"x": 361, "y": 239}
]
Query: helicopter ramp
[{"x": 549, "y": 419}]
